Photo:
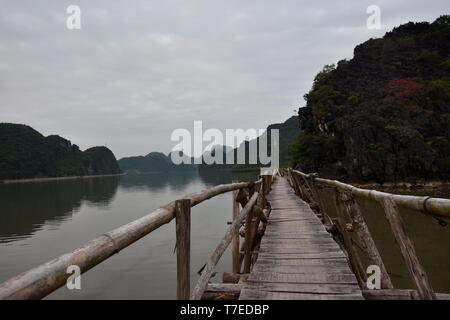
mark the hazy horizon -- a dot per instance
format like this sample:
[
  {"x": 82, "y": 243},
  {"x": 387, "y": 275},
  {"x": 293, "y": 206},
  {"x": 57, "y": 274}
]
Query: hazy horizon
[{"x": 133, "y": 74}]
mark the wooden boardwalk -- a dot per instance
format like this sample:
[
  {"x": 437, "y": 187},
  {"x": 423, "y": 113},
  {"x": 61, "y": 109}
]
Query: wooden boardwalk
[{"x": 298, "y": 258}]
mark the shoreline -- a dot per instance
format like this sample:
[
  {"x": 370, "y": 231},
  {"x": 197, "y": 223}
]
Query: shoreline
[
  {"x": 410, "y": 186},
  {"x": 28, "y": 180}
]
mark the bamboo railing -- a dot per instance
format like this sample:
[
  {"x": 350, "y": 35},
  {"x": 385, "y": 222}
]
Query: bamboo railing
[
  {"x": 352, "y": 232},
  {"x": 252, "y": 218},
  {"x": 46, "y": 278}
]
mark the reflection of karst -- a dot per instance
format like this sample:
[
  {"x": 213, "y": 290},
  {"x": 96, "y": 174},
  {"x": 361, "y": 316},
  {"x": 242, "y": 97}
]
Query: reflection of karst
[
  {"x": 26, "y": 207},
  {"x": 155, "y": 182}
]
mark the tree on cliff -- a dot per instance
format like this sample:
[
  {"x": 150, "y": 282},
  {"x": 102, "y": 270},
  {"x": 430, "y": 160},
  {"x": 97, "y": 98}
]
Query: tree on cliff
[{"x": 385, "y": 114}]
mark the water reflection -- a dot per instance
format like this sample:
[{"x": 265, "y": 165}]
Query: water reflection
[
  {"x": 223, "y": 176},
  {"x": 44, "y": 214},
  {"x": 176, "y": 181},
  {"x": 26, "y": 207},
  {"x": 155, "y": 182}
]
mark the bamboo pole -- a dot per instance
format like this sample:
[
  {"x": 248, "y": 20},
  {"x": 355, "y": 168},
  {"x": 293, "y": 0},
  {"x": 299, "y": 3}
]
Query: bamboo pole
[
  {"x": 367, "y": 243},
  {"x": 408, "y": 251},
  {"x": 299, "y": 186},
  {"x": 355, "y": 261},
  {"x": 235, "y": 243},
  {"x": 310, "y": 194},
  {"x": 434, "y": 206},
  {"x": 315, "y": 193},
  {"x": 248, "y": 241},
  {"x": 292, "y": 181},
  {"x": 218, "y": 252},
  {"x": 183, "y": 232},
  {"x": 46, "y": 278}
]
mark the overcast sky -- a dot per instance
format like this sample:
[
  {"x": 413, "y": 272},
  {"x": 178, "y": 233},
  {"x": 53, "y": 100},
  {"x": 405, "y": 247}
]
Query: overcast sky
[{"x": 137, "y": 70}]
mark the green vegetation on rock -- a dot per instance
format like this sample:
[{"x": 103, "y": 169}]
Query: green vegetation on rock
[
  {"x": 25, "y": 153},
  {"x": 388, "y": 109}
]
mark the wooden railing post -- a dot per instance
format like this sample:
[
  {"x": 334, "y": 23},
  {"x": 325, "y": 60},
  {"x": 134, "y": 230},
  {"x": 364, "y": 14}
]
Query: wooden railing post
[
  {"x": 183, "y": 230},
  {"x": 310, "y": 197},
  {"x": 236, "y": 265},
  {"x": 248, "y": 242},
  {"x": 407, "y": 249},
  {"x": 367, "y": 243},
  {"x": 353, "y": 257},
  {"x": 315, "y": 193}
]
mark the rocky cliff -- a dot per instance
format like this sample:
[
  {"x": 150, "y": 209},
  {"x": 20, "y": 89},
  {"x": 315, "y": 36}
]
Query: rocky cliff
[{"x": 385, "y": 114}]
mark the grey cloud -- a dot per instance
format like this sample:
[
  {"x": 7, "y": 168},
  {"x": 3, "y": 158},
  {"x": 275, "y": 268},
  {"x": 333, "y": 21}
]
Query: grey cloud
[{"x": 138, "y": 70}]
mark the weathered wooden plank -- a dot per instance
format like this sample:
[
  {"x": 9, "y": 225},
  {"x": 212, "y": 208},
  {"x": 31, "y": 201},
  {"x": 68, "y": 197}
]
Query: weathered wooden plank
[
  {"x": 302, "y": 278},
  {"x": 343, "y": 269},
  {"x": 300, "y": 250},
  {"x": 322, "y": 255},
  {"x": 332, "y": 263},
  {"x": 247, "y": 294},
  {"x": 298, "y": 242},
  {"x": 221, "y": 291},
  {"x": 304, "y": 288},
  {"x": 296, "y": 236}
]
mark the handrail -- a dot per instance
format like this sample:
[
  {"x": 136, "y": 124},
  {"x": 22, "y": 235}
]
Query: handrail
[
  {"x": 347, "y": 209},
  {"x": 427, "y": 205},
  {"x": 46, "y": 278}
]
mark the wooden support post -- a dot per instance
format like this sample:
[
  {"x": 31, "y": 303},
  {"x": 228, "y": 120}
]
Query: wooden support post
[
  {"x": 235, "y": 244},
  {"x": 298, "y": 185},
  {"x": 418, "y": 274},
  {"x": 290, "y": 180},
  {"x": 241, "y": 198},
  {"x": 316, "y": 195},
  {"x": 355, "y": 261},
  {"x": 251, "y": 191},
  {"x": 248, "y": 242},
  {"x": 367, "y": 243},
  {"x": 309, "y": 193},
  {"x": 265, "y": 187},
  {"x": 303, "y": 189},
  {"x": 183, "y": 229}
]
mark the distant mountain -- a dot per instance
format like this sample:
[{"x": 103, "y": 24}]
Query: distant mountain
[
  {"x": 385, "y": 114},
  {"x": 25, "y": 153},
  {"x": 153, "y": 162},
  {"x": 159, "y": 162},
  {"x": 288, "y": 132}
]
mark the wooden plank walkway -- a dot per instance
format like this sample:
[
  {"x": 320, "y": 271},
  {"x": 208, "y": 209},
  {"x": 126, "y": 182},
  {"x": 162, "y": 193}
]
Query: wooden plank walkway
[{"x": 298, "y": 258}]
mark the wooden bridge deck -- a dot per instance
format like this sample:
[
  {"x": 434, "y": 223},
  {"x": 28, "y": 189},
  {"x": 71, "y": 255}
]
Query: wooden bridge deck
[{"x": 298, "y": 258}]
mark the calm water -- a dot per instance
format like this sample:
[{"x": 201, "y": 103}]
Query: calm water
[{"x": 39, "y": 221}]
